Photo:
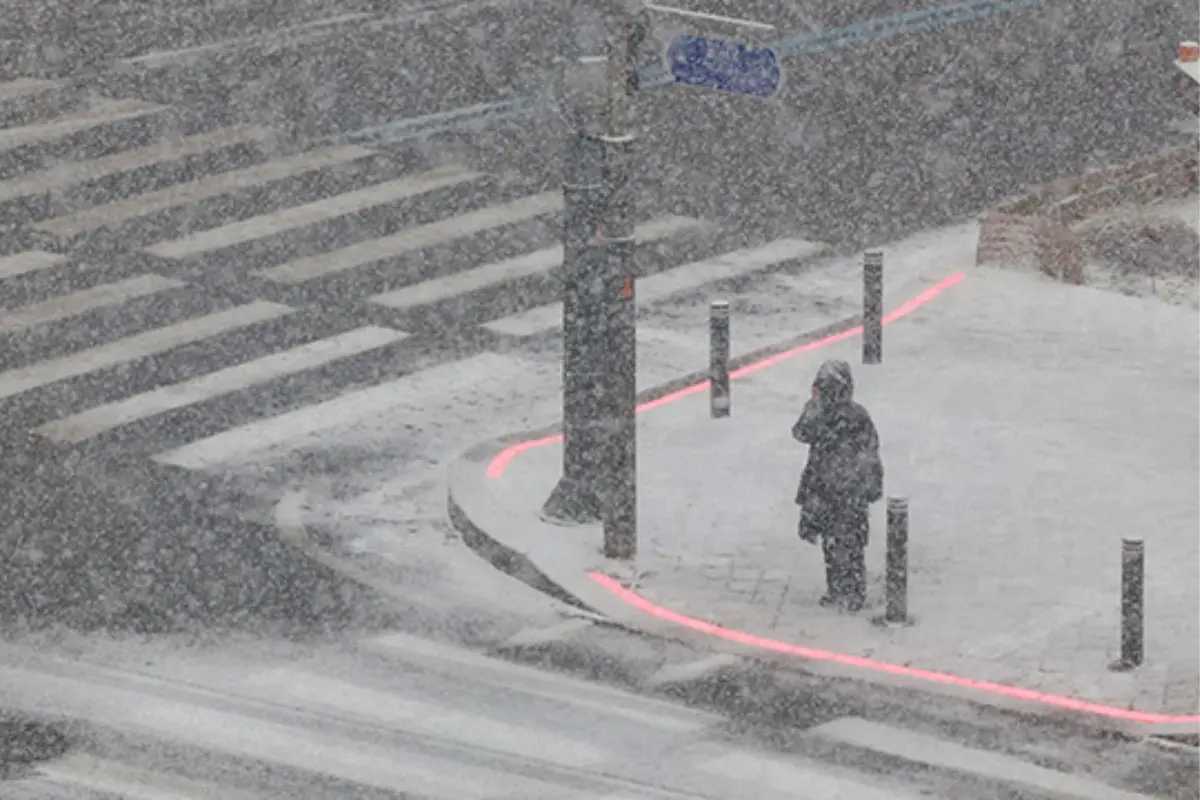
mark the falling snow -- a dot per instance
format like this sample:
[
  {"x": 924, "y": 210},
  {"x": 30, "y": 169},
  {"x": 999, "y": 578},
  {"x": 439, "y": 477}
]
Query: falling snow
[{"x": 275, "y": 276}]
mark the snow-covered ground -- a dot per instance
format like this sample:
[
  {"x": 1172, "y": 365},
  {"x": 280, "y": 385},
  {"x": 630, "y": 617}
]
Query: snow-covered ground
[
  {"x": 1147, "y": 251},
  {"x": 1032, "y": 424}
]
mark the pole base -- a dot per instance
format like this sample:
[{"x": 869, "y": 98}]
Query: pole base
[
  {"x": 1121, "y": 665},
  {"x": 620, "y": 542},
  {"x": 571, "y": 503}
]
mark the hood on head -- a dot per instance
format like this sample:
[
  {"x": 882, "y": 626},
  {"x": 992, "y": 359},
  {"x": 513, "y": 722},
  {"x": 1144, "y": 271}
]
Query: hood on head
[{"x": 834, "y": 381}]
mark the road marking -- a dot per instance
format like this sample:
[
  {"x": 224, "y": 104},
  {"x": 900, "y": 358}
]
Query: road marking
[
  {"x": 105, "y": 112},
  {"x": 640, "y": 791},
  {"x": 304, "y": 33},
  {"x": 412, "y": 239},
  {"x": 23, "y": 87},
  {"x": 288, "y": 219},
  {"x": 73, "y": 173},
  {"x": 358, "y": 762},
  {"x": 242, "y": 735},
  {"x": 309, "y": 32},
  {"x": 467, "y": 665},
  {"x": 669, "y": 282},
  {"x": 689, "y": 671},
  {"x": 28, "y": 261},
  {"x": 399, "y": 713},
  {"x": 415, "y": 392},
  {"x": 141, "y": 345},
  {"x": 643, "y": 793},
  {"x": 537, "y": 262},
  {"x": 76, "y": 303},
  {"x": 205, "y": 188},
  {"x": 532, "y": 637},
  {"x": 931, "y": 751},
  {"x": 405, "y": 129},
  {"x": 129, "y": 782},
  {"x": 94, "y": 421},
  {"x": 800, "y": 780}
]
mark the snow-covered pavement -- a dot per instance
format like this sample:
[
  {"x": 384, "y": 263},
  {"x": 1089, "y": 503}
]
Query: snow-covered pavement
[{"x": 1031, "y": 425}]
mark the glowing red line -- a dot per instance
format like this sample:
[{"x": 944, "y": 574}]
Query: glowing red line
[
  {"x": 498, "y": 464},
  {"x": 924, "y": 297},
  {"x": 496, "y": 467},
  {"x": 1058, "y": 701}
]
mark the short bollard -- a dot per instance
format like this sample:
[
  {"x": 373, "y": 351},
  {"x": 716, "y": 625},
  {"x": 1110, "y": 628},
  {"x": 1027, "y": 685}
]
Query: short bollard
[
  {"x": 719, "y": 399},
  {"x": 1133, "y": 609},
  {"x": 873, "y": 308},
  {"x": 897, "y": 562}
]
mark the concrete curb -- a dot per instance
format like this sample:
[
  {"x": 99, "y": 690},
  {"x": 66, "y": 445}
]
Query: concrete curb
[{"x": 549, "y": 558}]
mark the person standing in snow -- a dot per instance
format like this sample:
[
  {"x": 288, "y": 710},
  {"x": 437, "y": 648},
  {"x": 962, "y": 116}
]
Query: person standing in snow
[{"x": 843, "y": 476}]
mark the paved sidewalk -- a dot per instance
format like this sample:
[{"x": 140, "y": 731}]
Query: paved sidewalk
[{"x": 1032, "y": 425}]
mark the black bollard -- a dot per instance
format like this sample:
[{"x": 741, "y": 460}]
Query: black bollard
[
  {"x": 873, "y": 308},
  {"x": 719, "y": 397},
  {"x": 897, "y": 561},
  {"x": 1133, "y": 609}
]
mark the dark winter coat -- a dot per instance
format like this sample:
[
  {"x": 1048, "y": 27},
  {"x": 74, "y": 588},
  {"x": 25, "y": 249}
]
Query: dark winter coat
[{"x": 844, "y": 470}]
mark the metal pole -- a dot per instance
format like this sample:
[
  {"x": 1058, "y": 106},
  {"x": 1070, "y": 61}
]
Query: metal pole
[
  {"x": 620, "y": 506},
  {"x": 897, "y": 561},
  {"x": 719, "y": 397},
  {"x": 872, "y": 308},
  {"x": 576, "y": 497},
  {"x": 1133, "y": 609}
]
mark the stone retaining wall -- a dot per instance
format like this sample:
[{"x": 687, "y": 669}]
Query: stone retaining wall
[{"x": 1035, "y": 229}]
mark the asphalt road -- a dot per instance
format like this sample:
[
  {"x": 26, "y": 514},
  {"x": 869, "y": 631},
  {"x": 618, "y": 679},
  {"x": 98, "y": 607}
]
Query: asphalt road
[
  {"x": 56, "y": 39},
  {"x": 941, "y": 123},
  {"x": 399, "y": 716}
]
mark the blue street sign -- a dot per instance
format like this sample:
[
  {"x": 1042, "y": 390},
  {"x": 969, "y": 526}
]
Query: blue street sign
[{"x": 724, "y": 66}]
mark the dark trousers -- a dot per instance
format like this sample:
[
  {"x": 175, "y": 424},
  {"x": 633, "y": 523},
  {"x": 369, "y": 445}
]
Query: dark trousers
[{"x": 844, "y": 540}]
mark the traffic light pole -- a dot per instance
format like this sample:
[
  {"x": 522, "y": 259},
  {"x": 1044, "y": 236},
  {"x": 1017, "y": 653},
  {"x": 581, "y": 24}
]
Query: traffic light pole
[
  {"x": 599, "y": 474},
  {"x": 619, "y": 507},
  {"x": 577, "y": 496}
]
